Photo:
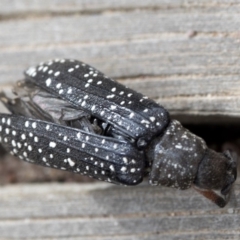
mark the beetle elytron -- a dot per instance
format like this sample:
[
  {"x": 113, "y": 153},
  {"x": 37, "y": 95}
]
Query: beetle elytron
[{"x": 68, "y": 115}]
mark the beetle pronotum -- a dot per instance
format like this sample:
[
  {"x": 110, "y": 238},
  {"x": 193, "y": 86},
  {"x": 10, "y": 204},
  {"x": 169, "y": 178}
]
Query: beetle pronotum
[{"x": 68, "y": 115}]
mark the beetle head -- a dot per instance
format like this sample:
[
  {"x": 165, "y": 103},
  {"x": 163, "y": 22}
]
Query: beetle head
[{"x": 217, "y": 171}]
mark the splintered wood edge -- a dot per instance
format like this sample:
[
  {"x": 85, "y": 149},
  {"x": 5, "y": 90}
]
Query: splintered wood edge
[{"x": 104, "y": 211}]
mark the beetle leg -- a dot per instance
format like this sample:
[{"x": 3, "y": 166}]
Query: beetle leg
[
  {"x": 221, "y": 201},
  {"x": 71, "y": 149}
]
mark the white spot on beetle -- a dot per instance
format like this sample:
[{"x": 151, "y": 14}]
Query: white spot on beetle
[
  {"x": 52, "y": 144},
  {"x": 99, "y": 82},
  {"x": 31, "y": 71},
  {"x": 29, "y": 148},
  {"x": 131, "y": 115},
  {"x": 71, "y": 162},
  {"x": 23, "y": 136},
  {"x": 133, "y": 170},
  {"x": 70, "y": 69},
  {"x": 113, "y": 89},
  {"x": 113, "y": 107},
  {"x": 179, "y": 146},
  {"x": 27, "y": 124},
  {"x": 123, "y": 169},
  {"x": 56, "y": 74},
  {"x": 48, "y": 82},
  {"x": 14, "y": 143},
  {"x": 34, "y": 125},
  {"x": 69, "y": 90},
  {"x": 35, "y": 139},
  {"x": 152, "y": 119},
  {"x": 111, "y": 96},
  {"x": 112, "y": 168},
  {"x": 58, "y": 85}
]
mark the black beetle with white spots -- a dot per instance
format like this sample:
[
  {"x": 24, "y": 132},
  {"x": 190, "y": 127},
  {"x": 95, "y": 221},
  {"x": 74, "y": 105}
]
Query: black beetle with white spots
[{"x": 67, "y": 115}]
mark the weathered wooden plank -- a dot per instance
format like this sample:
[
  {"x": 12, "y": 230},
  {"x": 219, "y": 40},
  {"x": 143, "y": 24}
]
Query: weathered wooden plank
[
  {"x": 184, "y": 54},
  {"x": 176, "y": 55},
  {"x": 18, "y": 7},
  {"x": 58, "y": 211},
  {"x": 160, "y": 46},
  {"x": 112, "y": 27}
]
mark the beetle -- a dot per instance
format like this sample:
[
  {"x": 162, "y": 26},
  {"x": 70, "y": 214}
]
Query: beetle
[{"x": 68, "y": 115}]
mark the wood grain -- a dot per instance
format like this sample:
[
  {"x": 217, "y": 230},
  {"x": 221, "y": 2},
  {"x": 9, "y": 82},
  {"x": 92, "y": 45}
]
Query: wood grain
[
  {"x": 177, "y": 52},
  {"x": 103, "y": 211},
  {"x": 184, "y": 54}
]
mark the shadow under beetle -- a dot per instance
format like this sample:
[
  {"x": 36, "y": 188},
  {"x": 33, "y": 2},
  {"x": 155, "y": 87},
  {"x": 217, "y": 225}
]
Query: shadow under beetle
[{"x": 68, "y": 115}]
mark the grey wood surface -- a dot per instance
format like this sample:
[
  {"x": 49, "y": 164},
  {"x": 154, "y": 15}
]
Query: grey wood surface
[
  {"x": 102, "y": 211},
  {"x": 184, "y": 54}
]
